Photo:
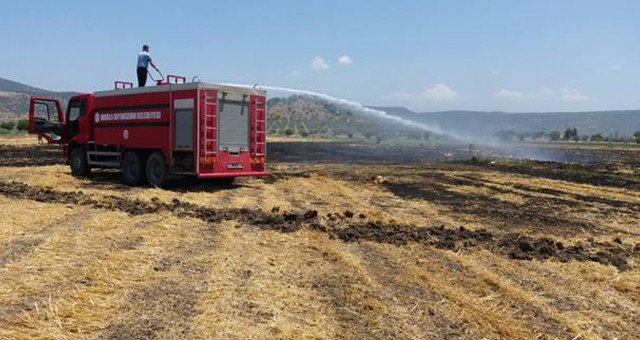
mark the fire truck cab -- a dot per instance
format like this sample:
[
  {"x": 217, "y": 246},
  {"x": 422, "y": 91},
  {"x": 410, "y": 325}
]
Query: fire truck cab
[{"x": 199, "y": 129}]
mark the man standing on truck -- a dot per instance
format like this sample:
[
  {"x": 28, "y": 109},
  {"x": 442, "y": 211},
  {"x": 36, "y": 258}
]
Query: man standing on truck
[{"x": 144, "y": 59}]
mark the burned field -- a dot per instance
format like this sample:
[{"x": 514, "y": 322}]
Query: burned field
[{"x": 400, "y": 247}]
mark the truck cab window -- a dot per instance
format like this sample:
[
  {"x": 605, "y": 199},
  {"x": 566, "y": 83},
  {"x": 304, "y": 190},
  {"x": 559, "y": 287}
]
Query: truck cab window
[
  {"x": 77, "y": 108},
  {"x": 45, "y": 111}
]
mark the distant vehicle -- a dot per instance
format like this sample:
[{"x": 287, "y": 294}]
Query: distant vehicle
[{"x": 199, "y": 129}]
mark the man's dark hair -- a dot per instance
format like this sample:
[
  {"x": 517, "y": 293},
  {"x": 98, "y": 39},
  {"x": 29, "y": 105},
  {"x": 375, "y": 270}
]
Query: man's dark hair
[{"x": 145, "y": 48}]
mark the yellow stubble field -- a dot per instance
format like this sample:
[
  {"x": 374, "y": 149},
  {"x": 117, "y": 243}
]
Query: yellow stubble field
[{"x": 512, "y": 250}]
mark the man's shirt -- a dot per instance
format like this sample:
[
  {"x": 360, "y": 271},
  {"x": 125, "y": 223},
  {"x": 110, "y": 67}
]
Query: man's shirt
[{"x": 143, "y": 59}]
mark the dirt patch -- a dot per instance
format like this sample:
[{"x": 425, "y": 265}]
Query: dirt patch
[
  {"x": 284, "y": 221},
  {"x": 526, "y": 248},
  {"x": 278, "y": 175},
  {"x": 127, "y": 243},
  {"x": 163, "y": 308},
  {"x": 15, "y": 249},
  {"x": 513, "y": 245}
]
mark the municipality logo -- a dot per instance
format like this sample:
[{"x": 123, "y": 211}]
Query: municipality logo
[{"x": 96, "y": 117}]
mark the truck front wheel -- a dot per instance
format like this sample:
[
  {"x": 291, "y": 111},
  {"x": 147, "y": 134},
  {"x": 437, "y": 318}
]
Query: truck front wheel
[
  {"x": 157, "y": 169},
  {"x": 78, "y": 162},
  {"x": 132, "y": 168}
]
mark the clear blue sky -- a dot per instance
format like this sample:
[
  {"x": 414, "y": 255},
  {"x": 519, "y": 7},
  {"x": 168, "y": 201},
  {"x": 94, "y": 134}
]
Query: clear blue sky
[{"x": 509, "y": 55}]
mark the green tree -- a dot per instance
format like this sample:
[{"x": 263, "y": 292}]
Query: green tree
[
  {"x": 637, "y": 136},
  {"x": 288, "y": 132},
  {"x": 597, "y": 137},
  {"x": 8, "y": 125},
  {"x": 570, "y": 134},
  {"x": 304, "y": 133},
  {"x": 555, "y": 135},
  {"x": 23, "y": 125}
]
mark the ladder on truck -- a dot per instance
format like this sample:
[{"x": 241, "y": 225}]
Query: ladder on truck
[
  {"x": 260, "y": 120},
  {"x": 210, "y": 149}
]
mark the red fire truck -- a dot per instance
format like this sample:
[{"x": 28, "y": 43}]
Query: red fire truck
[{"x": 177, "y": 127}]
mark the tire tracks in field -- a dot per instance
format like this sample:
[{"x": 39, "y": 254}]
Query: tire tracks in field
[
  {"x": 163, "y": 305},
  {"x": 559, "y": 197},
  {"x": 513, "y": 245},
  {"x": 167, "y": 305},
  {"x": 563, "y": 293},
  {"x": 449, "y": 300},
  {"x": 538, "y": 211},
  {"x": 17, "y": 248},
  {"x": 598, "y": 175},
  {"x": 505, "y": 214},
  {"x": 605, "y": 206},
  {"x": 50, "y": 289}
]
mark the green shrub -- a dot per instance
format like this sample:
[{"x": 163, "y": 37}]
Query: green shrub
[
  {"x": 23, "y": 125},
  {"x": 8, "y": 125}
]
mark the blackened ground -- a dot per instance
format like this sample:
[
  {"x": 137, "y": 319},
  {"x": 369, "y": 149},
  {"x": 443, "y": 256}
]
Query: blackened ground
[
  {"x": 354, "y": 153},
  {"x": 349, "y": 228},
  {"x": 23, "y": 156}
]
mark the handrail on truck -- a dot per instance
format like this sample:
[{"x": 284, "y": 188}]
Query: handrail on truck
[
  {"x": 176, "y": 79},
  {"x": 121, "y": 85}
]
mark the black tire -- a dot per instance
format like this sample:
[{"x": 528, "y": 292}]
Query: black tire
[
  {"x": 78, "y": 162},
  {"x": 157, "y": 169},
  {"x": 133, "y": 171}
]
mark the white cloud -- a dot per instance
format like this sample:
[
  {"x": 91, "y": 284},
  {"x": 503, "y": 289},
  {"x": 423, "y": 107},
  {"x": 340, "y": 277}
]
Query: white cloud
[
  {"x": 504, "y": 93},
  {"x": 573, "y": 95},
  {"x": 613, "y": 68},
  {"x": 440, "y": 92},
  {"x": 345, "y": 60},
  {"x": 319, "y": 64},
  {"x": 495, "y": 72},
  {"x": 545, "y": 91}
]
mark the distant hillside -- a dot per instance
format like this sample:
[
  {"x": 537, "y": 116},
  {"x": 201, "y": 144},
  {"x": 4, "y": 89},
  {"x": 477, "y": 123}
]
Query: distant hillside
[
  {"x": 486, "y": 124},
  {"x": 14, "y": 98},
  {"x": 302, "y": 115},
  {"x": 12, "y": 86},
  {"x": 311, "y": 116},
  {"x": 306, "y": 115}
]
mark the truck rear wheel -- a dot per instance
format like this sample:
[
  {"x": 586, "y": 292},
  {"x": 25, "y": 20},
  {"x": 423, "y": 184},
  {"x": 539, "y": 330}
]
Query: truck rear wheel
[
  {"x": 78, "y": 162},
  {"x": 132, "y": 168},
  {"x": 157, "y": 169}
]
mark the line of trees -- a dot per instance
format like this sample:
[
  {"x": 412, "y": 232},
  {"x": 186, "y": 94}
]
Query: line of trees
[
  {"x": 570, "y": 134},
  {"x": 11, "y": 125}
]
